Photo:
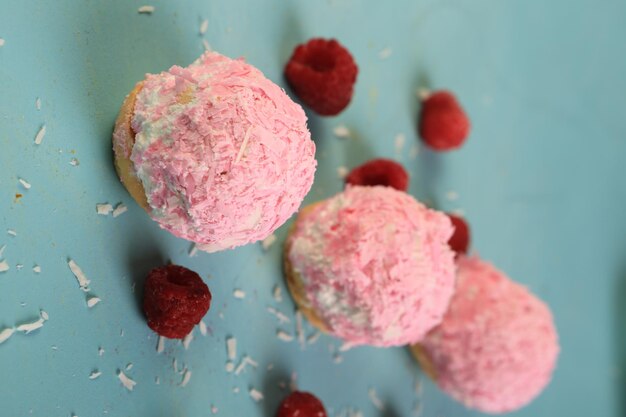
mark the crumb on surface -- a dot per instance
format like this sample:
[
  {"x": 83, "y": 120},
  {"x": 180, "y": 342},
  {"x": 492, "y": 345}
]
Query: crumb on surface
[{"x": 146, "y": 9}]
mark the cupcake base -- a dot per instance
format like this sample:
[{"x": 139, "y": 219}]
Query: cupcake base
[
  {"x": 295, "y": 284},
  {"x": 123, "y": 141},
  {"x": 422, "y": 357}
]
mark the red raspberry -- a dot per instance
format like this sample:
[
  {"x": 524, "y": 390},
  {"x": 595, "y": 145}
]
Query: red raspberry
[
  {"x": 459, "y": 242},
  {"x": 443, "y": 123},
  {"x": 322, "y": 73},
  {"x": 301, "y": 404},
  {"x": 175, "y": 299},
  {"x": 380, "y": 172}
]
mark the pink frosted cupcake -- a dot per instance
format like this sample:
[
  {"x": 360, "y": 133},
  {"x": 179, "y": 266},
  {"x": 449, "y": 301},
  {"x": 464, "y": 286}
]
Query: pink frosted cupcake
[
  {"x": 497, "y": 346},
  {"x": 371, "y": 266},
  {"x": 216, "y": 153}
]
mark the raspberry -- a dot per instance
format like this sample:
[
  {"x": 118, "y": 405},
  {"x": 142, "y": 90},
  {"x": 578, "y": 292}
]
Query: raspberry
[
  {"x": 443, "y": 123},
  {"x": 322, "y": 73},
  {"x": 459, "y": 242},
  {"x": 380, "y": 172},
  {"x": 175, "y": 299},
  {"x": 301, "y": 404}
]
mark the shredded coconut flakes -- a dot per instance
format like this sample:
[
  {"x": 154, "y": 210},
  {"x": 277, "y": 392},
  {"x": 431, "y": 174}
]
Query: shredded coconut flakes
[
  {"x": 342, "y": 131},
  {"x": 4, "y": 266},
  {"x": 187, "y": 340},
  {"x": 371, "y": 393},
  {"x": 83, "y": 282},
  {"x": 104, "y": 209},
  {"x": 203, "y": 329},
  {"x": 128, "y": 383},
  {"x": 92, "y": 301},
  {"x": 120, "y": 209},
  {"x": 24, "y": 183},
  {"x": 95, "y": 374},
  {"x": 146, "y": 9},
  {"x": 239, "y": 294},
  {"x": 268, "y": 242},
  {"x": 284, "y": 336},
  {"x": 256, "y": 395},
  {"x": 160, "y": 344},
  {"x": 5, "y": 334},
  {"x": 204, "y": 26},
  {"x": 231, "y": 348},
  {"x": 40, "y": 135}
]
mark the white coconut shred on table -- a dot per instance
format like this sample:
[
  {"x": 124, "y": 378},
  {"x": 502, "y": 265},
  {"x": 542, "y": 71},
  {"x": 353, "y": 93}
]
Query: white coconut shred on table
[
  {"x": 83, "y": 281},
  {"x": 40, "y": 135}
]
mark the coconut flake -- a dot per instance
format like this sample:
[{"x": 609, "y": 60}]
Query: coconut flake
[
  {"x": 40, "y": 135},
  {"x": 342, "y": 132},
  {"x": 231, "y": 348},
  {"x": 244, "y": 362},
  {"x": 120, "y": 209},
  {"x": 204, "y": 26},
  {"x": 346, "y": 346},
  {"x": 268, "y": 242},
  {"x": 229, "y": 367},
  {"x": 24, "y": 183},
  {"x": 2, "y": 42},
  {"x": 129, "y": 366},
  {"x": 293, "y": 382},
  {"x": 83, "y": 282},
  {"x": 2, "y": 248},
  {"x": 186, "y": 378},
  {"x": 236, "y": 390},
  {"x": 74, "y": 162},
  {"x": 207, "y": 46},
  {"x": 92, "y": 301},
  {"x": 30, "y": 327},
  {"x": 385, "y": 53},
  {"x": 146, "y": 10},
  {"x": 282, "y": 318},
  {"x": 342, "y": 172},
  {"x": 38, "y": 103},
  {"x": 4, "y": 266},
  {"x": 452, "y": 195},
  {"x": 100, "y": 351},
  {"x": 193, "y": 250},
  {"x": 160, "y": 344},
  {"x": 256, "y": 395},
  {"x": 187, "y": 340},
  {"x": 299, "y": 329},
  {"x": 37, "y": 269},
  {"x": 284, "y": 336},
  {"x": 239, "y": 294},
  {"x": 157, "y": 380},
  {"x": 399, "y": 141},
  {"x": 128, "y": 383},
  {"x": 423, "y": 93},
  {"x": 11, "y": 232},
  {"x": 278, "y": 293},
  {"x": 371, "y": 393},
  {"x": 214, "y": 409},
  {"x": 104, "y": 209},
  {"x": 203, "y": 329},
  {"x": 313, "y": 338},
  {"x": 44, "y": 315},
  {"x": 94, "y": 374},
  {"x": 5, "y": 334}
]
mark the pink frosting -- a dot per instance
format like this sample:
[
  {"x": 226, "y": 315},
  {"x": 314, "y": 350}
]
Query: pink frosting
[
  {"x": 375, "y": 265},
  {"x": 497, "y": 346},
  {"x": 224, "y": 155}
]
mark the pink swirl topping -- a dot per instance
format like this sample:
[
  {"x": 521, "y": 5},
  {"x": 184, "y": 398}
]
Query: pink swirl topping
[
  {"x": 375, "y": 265},
  {"x": 497, "y": 346},
  {"x": 224, "y": 155}
]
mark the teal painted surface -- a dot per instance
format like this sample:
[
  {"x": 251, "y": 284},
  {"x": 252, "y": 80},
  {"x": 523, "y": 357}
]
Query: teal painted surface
[{"x": 541, "y": 180}]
